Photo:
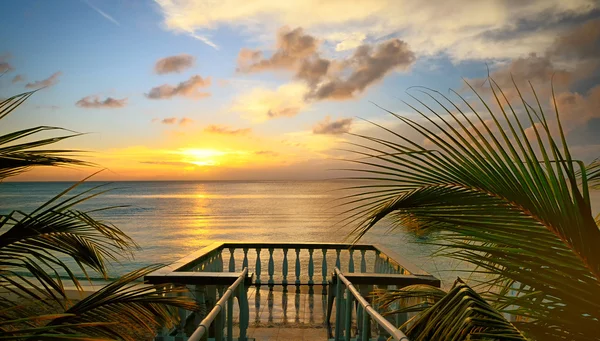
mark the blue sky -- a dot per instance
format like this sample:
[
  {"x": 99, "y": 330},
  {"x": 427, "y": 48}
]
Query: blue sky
[{"x": 106, "y": 55}]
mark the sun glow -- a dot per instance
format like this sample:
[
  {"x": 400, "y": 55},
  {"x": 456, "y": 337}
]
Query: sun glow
[{"x": 202, "y": 157}]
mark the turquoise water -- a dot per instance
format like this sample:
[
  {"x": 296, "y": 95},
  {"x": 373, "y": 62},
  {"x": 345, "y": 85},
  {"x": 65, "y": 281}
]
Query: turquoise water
[{"x": 172, "y": 219}]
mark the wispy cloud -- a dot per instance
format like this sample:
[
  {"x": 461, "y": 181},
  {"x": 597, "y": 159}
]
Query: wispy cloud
[
  {"x": 102, "y": 13},
  {"x": 189, "y": 88},
  {"x": 173, "y": 120},
  {"x": 224, "y": 130},
  {"x": 95, "y": 103},
  {"x": 261, "y": 104},
  {"x": 484, "y": 30},
  {"x": 18, "y": 78},
  {"x": 50, "y": 81},
  {"x": 4, "y": 65}
]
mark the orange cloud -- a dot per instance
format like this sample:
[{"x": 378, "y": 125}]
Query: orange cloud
[{"x": 224, "y": 130}]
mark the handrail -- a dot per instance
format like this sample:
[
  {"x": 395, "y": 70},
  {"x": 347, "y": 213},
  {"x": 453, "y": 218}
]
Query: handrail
[
  {"x": 219, "y": 307},
  {"x": 395, "y": 333}
]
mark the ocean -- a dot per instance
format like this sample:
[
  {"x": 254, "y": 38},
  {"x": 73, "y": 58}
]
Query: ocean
[{"x": 172, "y": 219}]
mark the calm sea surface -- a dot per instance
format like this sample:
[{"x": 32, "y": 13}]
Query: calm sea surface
[{"x": 172, "y": 219}]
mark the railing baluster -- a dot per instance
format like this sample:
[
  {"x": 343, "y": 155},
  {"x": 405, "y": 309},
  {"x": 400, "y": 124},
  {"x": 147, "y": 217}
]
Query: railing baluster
[
  {"x": 338, "y": 309},
  {"x": 297, "y": 269},
  {"x": 377, "y": 264},
  {"x": 245, "y": 261},
  {"x": 219, "y": 321},
  {"x": 284, "y": 269},
  {"x": 271, "y": 268},
  {"x": 324, "y": 269},
  {"x": 311, "y": 267},
  {"x": 230, "y": 319},
  {"x": 220, "y": 261},
  {"x": 231, "y": 260},
  {"x": 348, "y": 317},
  {"x": 363, "y": 261},
  {"x": 258, "y": 266},
  {"x": 351, "y": 261},
  {"x": 366, "y": 327}
]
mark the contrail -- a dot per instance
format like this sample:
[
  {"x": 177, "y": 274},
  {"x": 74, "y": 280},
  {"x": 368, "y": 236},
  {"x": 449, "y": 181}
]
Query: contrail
[{"x": 102, "y": 13}]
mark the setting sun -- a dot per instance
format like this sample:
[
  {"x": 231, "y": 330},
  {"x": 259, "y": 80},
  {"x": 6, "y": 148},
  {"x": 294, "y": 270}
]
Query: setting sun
[{"x": 202, "y": 157}]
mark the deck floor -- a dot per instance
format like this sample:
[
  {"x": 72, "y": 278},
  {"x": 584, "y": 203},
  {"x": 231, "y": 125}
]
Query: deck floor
[{"x": 276, "y": 315}]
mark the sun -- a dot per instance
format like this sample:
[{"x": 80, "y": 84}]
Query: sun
[{"x": 202, "y": 157}]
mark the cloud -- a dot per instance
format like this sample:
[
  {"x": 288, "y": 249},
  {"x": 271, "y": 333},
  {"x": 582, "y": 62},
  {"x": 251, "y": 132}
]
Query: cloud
[
  {"x": 576, "y": 109},
  {"x": 462, "y": 29},
  {"x": 50, "y": 81},
  {"x": 169, "y": 120},
  {"x": 95, "y": 103},
  {"x": 173, "y": 120},
  {"x": 328, "y": 78},
  {"x": 184, "y": 121},
  {"x": 368, "y": 65},
  {"x": 17, "y": 78},
  {"x": 266, "y": 153},
  {"x": 102, "y": 13},
  {"x": 4, "y": 65},
  {"x": 189, "y": 89},
  {"x": 174, "y": 64},
  {"x": 224, "y": 130},
  {"x": 582, "y": 42},
  {"x": 168, "y": 163},
  {"x": 336, "y": 127},
  {"x": 573, "y": 56},
  {"x": 260, "y": 104},
  {"x": 292, "y": 47}
]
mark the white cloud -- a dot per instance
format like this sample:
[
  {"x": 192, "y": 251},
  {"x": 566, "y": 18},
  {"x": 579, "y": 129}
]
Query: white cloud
[
  {"x": 261, "y": 104},
  {"x": 464, "y": 29}
]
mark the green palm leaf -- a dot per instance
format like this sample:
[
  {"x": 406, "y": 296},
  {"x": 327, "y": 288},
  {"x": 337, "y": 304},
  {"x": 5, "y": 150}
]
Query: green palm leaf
[{"x": 516, "y": 208}]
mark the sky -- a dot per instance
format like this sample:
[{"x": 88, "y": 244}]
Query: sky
[{"x": 272, "y": 90}]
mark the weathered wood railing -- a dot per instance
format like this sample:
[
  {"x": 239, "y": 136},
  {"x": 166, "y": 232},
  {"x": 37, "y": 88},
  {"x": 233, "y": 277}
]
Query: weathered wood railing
[{"x": 294, "y": 263}]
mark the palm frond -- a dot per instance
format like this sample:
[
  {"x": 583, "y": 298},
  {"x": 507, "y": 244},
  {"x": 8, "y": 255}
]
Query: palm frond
[
  {"x": 127, "y": 303},
  {"x": 37, "y": 243},
  {"x": 19, "y": 153},
  {"x": 461, "y": 315},
  {"x": 511, "y": 202}
]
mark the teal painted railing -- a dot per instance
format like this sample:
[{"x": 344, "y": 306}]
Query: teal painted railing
[
  {"x": 213, "y": 290},
  {"x": 346, "y": 295},
  {"x": 289, "y": 264},
  {"x": 221, "y": 270},
  {"x": 222, "y": 314},
  {"x": 350, "y": 288}
]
